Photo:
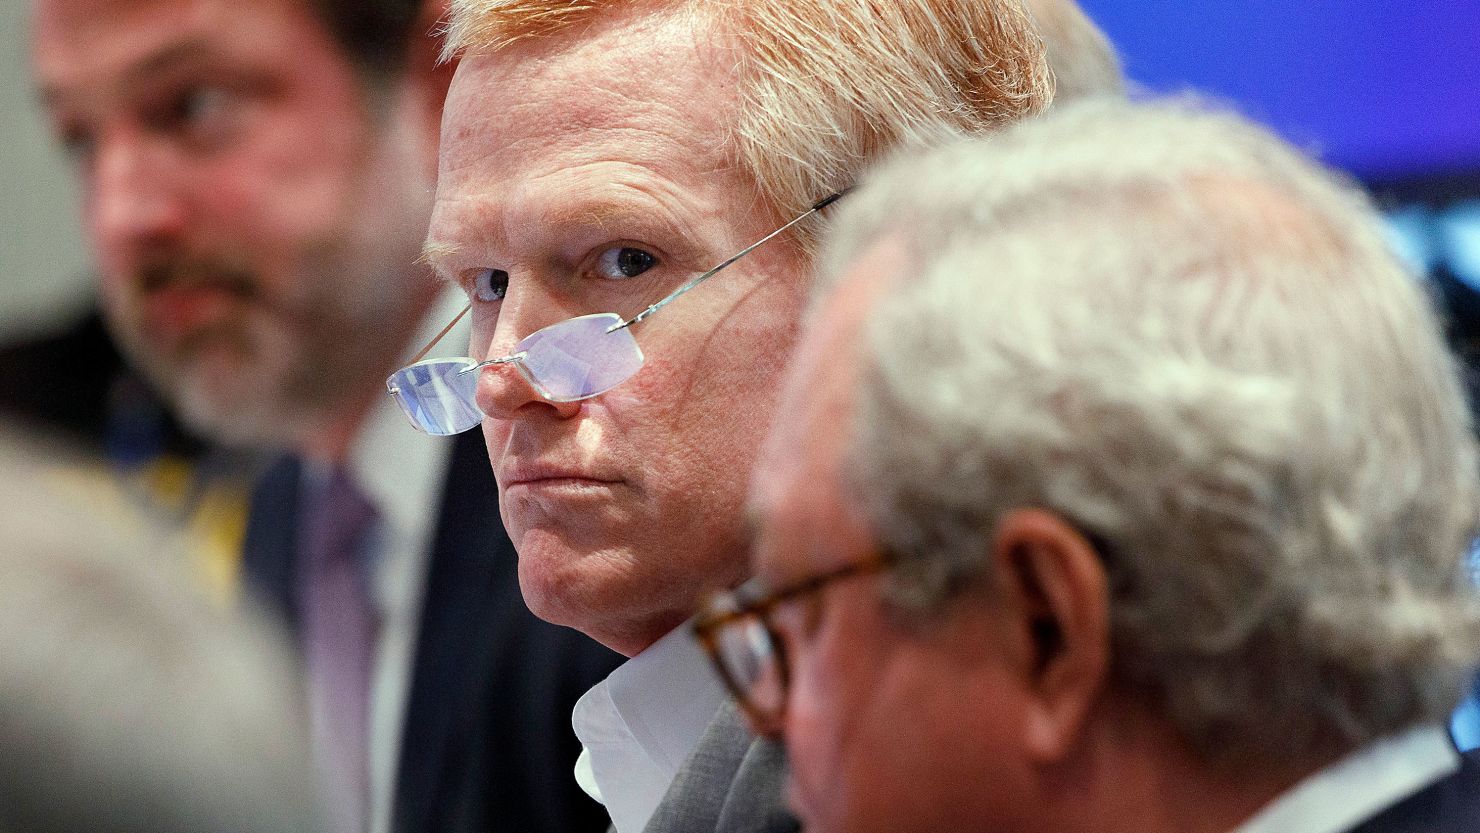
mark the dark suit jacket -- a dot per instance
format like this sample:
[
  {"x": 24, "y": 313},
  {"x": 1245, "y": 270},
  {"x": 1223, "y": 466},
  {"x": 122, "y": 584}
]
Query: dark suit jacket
[
  {"x": 487, "y": 739},
  {"x": 1449, "y": 805},
  {"x": 732, "y": 783}
]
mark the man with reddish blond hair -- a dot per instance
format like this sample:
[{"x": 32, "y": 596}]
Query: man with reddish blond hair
[{"x": 599, "y": 160}]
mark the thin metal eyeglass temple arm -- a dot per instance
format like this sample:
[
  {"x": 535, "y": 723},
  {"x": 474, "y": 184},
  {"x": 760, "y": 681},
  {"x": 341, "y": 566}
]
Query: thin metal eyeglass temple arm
[
  {"x": 421, "y": 354},
  {"x": 818, "y": 206}
]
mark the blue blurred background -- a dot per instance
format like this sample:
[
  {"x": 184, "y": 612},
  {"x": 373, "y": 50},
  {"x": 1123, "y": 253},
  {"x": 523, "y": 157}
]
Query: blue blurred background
[{"x": 1388, "y": 90}]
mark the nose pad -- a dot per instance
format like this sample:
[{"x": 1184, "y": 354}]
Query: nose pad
[{"x": 505, "y": 391}]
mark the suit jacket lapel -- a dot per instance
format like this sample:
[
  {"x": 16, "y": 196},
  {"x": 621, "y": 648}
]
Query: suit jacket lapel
[
  {"x": 469, "y": 548},
  {"x": 270, "y": 546}
]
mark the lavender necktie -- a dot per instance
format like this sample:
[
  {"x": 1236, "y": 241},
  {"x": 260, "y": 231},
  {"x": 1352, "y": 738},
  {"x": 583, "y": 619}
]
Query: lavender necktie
[{"x": 339, "y": 630}]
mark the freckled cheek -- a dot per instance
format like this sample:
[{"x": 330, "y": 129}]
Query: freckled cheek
[
  {"x": 657, "y": 381},
  {"x": 724, "y": 383}
]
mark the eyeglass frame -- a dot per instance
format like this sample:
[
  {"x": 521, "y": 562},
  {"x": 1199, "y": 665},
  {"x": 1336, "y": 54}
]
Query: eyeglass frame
[
  {"x": 727, "y": 607},
  {"x": 622, "y": 323}
]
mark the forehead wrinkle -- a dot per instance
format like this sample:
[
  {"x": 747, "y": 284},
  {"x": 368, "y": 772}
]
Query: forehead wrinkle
[
  {"x": 589, "y": 85},
  {"x": 635, "y": 138}
]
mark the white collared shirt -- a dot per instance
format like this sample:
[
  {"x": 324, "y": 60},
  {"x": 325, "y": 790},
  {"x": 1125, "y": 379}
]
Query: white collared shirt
[
  {"x": 639, "y": 725},
  {"x": 401, "y": 471},
  {"x": 1361, "y": 785}
]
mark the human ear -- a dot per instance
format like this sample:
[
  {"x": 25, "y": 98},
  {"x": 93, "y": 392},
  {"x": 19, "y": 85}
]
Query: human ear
[{"x": 1054, "y": 590}]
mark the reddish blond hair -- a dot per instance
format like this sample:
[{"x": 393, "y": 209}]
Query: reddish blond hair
[{"x": 826, "y": 88}]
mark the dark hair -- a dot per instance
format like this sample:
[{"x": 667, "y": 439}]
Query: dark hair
[{"x": 374, "y": 34}]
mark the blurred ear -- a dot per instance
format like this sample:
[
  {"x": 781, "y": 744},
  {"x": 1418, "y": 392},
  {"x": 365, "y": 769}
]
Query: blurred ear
[{"x": 1053, "y": 587}]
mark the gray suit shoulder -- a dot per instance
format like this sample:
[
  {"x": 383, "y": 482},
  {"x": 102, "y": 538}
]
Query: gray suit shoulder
[{"x": 732, "y": 783}]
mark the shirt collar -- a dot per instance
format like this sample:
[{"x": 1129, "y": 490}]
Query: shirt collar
[
  {"x": 639, "y": 725},
  {"x": 1360, "y": 785}
]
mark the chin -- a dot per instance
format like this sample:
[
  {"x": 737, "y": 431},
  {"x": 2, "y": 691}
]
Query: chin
[
  {"x": 597, "y": 593},
  {"x": 256, "y": 415},
  {"x": 240, "y": 423},
  {"x": 560, "y": 585},
  {"x": 549, "y": 594}
]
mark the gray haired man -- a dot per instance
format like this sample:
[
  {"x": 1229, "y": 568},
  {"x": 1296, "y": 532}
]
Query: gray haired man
[{"x": 1123, "y": 487}]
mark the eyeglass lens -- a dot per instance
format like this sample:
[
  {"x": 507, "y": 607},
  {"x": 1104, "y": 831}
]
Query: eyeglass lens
[
  {"x": 570, "y": 360},
  {"x": 438, "y": 395},
  {"x": 752, "y": 661},
  {"x": 579, "y": 358}
]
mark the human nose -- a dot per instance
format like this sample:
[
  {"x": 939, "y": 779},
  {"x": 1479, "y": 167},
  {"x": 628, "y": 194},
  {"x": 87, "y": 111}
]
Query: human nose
[
  {"x": 504, "y": 391},
  {"x": 131, "y": 195}
]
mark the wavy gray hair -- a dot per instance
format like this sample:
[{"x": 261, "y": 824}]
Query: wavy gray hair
[
  {"x": 1083, "y": 60},
  {"x": 1171, "y": 329}
]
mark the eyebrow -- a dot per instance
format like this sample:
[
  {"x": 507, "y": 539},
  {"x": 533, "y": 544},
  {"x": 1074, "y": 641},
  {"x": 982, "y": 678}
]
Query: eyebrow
[
  {"x": 176, "y": 53},
  {"x": 179, "y": 53},
  {"x": 435, "y": 251},
  {"x": 594, "y": 212}
]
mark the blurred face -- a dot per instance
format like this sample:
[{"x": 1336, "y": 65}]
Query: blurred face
[
  {"x": 588, "y": 176},
  {"x": 890, "y": 725},
  {"x": 252, "y": 224}
]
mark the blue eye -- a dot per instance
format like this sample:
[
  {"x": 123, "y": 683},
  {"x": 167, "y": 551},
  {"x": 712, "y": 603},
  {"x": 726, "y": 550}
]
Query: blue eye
[
  {"x": 490, "y": 285},
  {"x": 204, "y": 114},
  {"x": 622, "y": 262},
  {"x": 198, "y": 104}
]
